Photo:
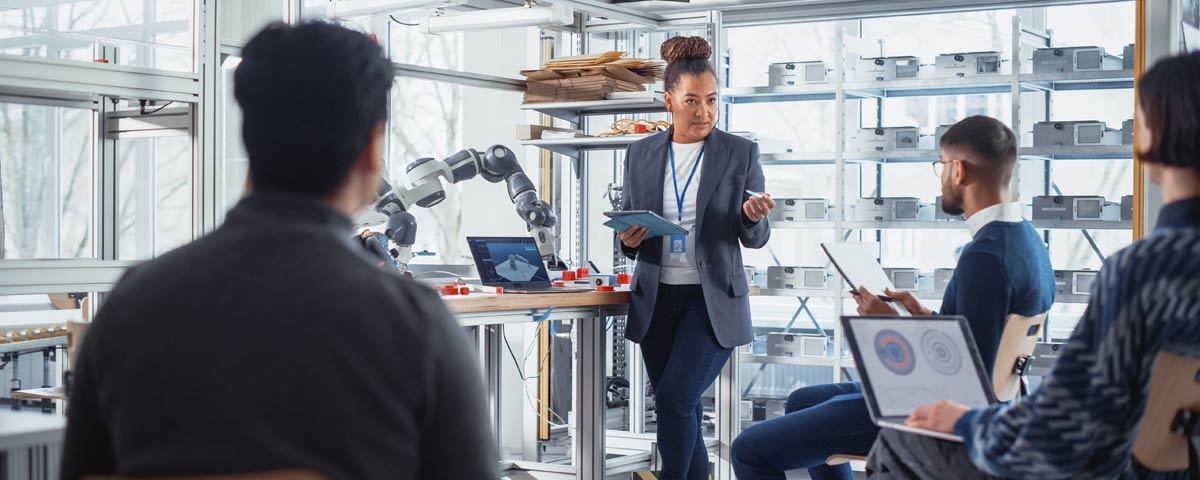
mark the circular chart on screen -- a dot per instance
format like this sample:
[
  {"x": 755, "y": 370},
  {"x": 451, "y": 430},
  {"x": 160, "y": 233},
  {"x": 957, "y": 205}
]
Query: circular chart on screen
[
  {"x": 941, "y": 352},
  {"x": 895, "y": 352}
]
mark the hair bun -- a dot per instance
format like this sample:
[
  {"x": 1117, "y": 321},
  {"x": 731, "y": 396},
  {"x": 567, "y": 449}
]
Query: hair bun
[{"x": 682, "y": 48}]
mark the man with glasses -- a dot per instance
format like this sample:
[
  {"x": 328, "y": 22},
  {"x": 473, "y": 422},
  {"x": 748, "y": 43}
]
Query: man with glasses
[{"x": 1005, "y": 269}]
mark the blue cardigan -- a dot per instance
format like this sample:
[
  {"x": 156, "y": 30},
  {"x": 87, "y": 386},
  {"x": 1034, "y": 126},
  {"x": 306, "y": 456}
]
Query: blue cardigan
[{"x": 1004, "y": 270}]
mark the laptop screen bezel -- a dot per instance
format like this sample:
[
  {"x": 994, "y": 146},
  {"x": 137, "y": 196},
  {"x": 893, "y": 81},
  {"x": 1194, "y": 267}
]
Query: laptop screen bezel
[
  {"x": 479, "y": 265},
  {"x": 869, "y": 394}
]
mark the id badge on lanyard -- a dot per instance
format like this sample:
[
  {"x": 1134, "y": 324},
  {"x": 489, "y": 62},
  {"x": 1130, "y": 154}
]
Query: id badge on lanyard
[{"x": 678, "y": 243}]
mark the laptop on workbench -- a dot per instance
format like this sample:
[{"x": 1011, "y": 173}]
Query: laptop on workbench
[{"x": 514, "y": 264}]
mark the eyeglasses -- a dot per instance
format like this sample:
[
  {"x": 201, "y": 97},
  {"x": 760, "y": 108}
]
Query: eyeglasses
[{"x": 938, "y": 166}]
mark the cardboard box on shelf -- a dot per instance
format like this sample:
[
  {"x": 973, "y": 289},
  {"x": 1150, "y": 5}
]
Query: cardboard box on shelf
[
  {"x": 610, "y": 71},
  {"x": 589, "y": 77}
]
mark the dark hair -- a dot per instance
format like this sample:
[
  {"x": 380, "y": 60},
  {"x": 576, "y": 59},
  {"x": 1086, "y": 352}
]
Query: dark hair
[
  {"x": 989, "y": 139},
  {"x": 685, "y": 56},
  {"x": 310, "y": 96},
  {"x": 1169, "y": 94}
]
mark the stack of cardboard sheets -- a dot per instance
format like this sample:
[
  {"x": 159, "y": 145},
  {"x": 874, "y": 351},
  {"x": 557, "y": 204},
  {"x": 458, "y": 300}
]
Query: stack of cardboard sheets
[{"x": 589, "y": 77}]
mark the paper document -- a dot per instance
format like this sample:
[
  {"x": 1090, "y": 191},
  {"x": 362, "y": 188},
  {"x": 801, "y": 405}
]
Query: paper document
[{"x": 857, "y": 265}]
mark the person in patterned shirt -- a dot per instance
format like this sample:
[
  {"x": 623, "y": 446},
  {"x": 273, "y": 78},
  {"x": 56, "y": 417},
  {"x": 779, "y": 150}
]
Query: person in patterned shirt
[{"x": 1083, "y": 420}]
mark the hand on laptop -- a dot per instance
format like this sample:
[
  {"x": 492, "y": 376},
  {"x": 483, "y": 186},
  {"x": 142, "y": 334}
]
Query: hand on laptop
[{"x": 939, "y": 416}]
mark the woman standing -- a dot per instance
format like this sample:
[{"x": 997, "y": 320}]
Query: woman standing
[{"x": 689, "y": 305}]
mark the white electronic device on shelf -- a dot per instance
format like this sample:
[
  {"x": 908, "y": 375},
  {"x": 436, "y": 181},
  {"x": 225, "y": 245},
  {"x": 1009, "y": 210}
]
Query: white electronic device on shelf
[
  {"x": 1074, "y": 282},
  {"x": 885, "y": 209},
  {"x": 797, "y": 278},
  {"x": 967, "y": 64},
  {"x": 941, "y": 279},
  {"x": 790, "y": 74},
  {"x": 800, "y": 210},
  {"x": 906, "y": 279},
  {"x": 1074, "y": 59},
  {"x": 794, "y": 345},
  {"x": 1075, "y": 208},
  {"x": 1074, "y": 134},
  {"x": 885, "y": 139},
  {"x": 882, "y": 69}
]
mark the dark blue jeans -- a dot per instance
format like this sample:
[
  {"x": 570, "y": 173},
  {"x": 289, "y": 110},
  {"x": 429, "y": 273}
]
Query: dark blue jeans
[
  {"x": 821, "y": 420},
  {"x": 682, "y": 358}
]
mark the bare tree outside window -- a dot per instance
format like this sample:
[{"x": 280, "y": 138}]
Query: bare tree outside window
[{"x": 426, "y": 121}]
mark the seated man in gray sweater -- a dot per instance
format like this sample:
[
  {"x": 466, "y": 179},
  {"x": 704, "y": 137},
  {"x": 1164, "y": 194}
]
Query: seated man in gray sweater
[{"x": 273, "y": 342}]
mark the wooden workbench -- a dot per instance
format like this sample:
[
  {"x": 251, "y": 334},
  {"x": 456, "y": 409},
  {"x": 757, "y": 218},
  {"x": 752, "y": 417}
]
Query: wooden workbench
[{"x": 482, "y": 302}]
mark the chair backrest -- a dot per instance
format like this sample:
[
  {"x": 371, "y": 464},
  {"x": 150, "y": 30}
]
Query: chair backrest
[
  {"x": 1174, "y": 388},
  {"x": 1017, "y": 342},
  {"x": 271, "y": 475}
]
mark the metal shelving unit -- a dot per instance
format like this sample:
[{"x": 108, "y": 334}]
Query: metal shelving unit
[
  {"x": 575, "y": 111},
  {"x": 574, "y": 147},
  {"x": 843, "y": 91},
  {"x": 1103, "y": 152},
  {"x": 798, "y": 292},
  {"x": 935, "y": 86},
  {"x": 778, "y": 360}
]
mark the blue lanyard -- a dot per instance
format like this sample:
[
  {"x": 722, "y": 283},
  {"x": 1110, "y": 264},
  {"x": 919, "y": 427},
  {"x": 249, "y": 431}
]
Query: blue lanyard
[{"x": 675, "y": 180}]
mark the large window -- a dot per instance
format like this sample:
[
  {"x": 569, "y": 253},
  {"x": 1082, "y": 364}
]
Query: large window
[
  {"x": 46, "y": 176},
  {"x": 155, "y": 202},
  {"x": 142, "y": 33}
]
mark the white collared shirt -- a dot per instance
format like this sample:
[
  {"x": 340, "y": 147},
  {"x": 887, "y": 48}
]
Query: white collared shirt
[
  {"x": 1000, "y": 212},
  {"x": 687, "y": 156}
]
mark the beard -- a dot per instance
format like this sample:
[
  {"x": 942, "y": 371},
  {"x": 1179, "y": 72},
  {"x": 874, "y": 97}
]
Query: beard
[{"x": 952, "y": 200}]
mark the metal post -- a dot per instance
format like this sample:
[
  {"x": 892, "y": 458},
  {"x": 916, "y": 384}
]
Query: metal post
[
  {"x": 589, "y": 398},
  {"x": 839, "y": 184},
  {"x": 47, "y": 357},
  {"x": 106, "y": 203},
  {"x": 14, "y": 361},
  {"x": 494, "y": 372},
  {"x": 206, "y": 211},
  {"x": 637, "y": 388},
  {"x": 487, "y": 343}
]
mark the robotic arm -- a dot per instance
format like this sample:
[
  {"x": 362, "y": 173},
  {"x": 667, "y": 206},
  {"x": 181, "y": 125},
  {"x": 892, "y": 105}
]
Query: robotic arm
[{"x": 496, "y": 164}]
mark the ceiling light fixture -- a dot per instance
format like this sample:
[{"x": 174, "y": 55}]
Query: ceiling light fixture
[
  {"x": 530, "y": 15},
  {"x": 342, "y": 9}
]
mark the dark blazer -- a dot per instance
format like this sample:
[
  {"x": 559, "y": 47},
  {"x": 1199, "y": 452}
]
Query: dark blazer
[{"x": 730, "y": 168}]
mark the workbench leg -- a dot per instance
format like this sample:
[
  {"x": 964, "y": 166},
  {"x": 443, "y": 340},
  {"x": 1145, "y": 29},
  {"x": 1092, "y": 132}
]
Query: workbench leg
[
  {"x": 14, "y": 362},
  {"x": 490, "y": 345},
  {"x": 47, "y": 357},
  {"x": 529, "y": 417},
  {"x": 589, "y": 398},
  {"x": 637, "y": 387}
]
